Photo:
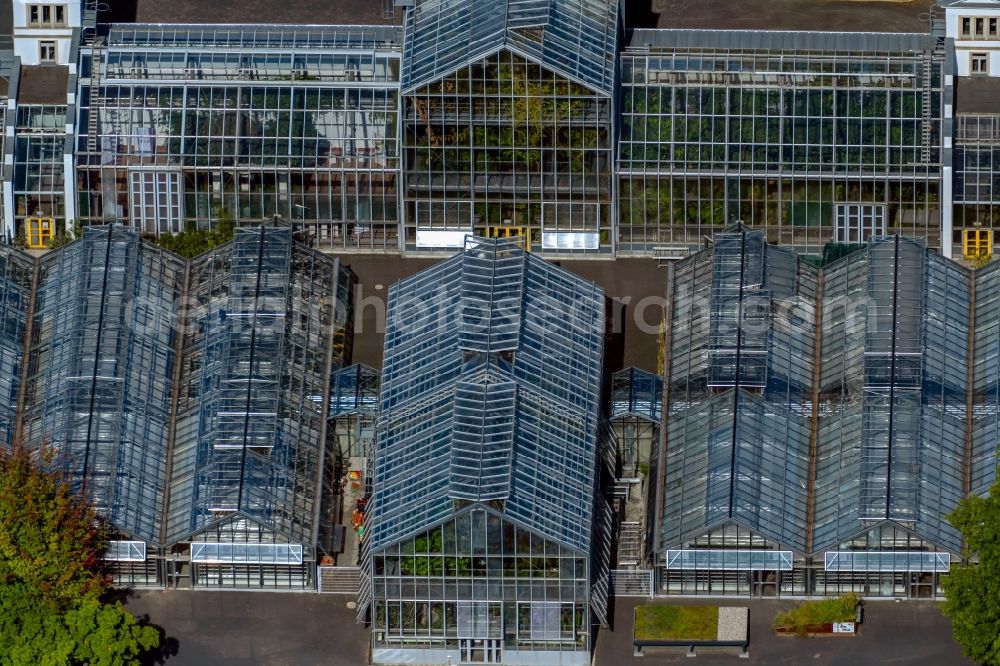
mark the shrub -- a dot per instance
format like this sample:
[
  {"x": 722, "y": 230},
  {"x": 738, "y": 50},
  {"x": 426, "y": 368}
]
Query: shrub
[
  {"x": 813, "y": 613},
  {"x": 660, "y": 622}
]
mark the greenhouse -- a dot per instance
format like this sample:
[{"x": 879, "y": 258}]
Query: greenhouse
[
  {"x": 189, "y": 399},
  {"x": 825, "y": 414},
  {"x": 508, "y": 111},
  {"x": 491, "y": 395},
  {"x": 819, "y": 137},
  {"x": 189, "y": 125},
  {"x": 635, "y": 418}
]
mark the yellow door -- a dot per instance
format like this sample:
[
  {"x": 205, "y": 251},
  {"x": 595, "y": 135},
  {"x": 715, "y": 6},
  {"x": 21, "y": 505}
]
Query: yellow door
[
  {"x": 39, "y": 232},
  {"x": 511, "y": 232},
  {"x": 977, "y": 244}
]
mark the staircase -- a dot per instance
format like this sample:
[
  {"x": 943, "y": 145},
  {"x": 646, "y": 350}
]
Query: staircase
[
  {"x": 629, "y": 544},
  {"x": 632, "y": 582},
  {"x": 338, "y": 580}
]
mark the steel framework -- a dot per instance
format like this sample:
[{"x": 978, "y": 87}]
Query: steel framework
[
  {"x": 190, "y": 399},
  {"x": 842, "y": 408},
  {"x": 490, "y": 396}
]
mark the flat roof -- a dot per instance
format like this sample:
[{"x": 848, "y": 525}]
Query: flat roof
[
  {"x": 288, "y": 12},
  {"x": 43, "y": 84},
  {"x": 821, "y": 15},
  {"x": 977, "y": 94}
]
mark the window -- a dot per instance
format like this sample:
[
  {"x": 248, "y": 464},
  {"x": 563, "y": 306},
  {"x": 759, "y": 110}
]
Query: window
[
  {"x": 856, "y": 223},
  {"x": 978, "y": 28},
  {"x": 46, "y": 16},
  {"x": 156, "y": 201},
  {"x": 979, "y": 63},
  {"x": 46, "y": 51}
]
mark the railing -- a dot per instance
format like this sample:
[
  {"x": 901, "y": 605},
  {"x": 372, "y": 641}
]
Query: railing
[{"x": 632, "y": 582}]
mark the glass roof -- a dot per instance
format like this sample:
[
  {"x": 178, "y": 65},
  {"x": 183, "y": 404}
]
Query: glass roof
[
  {"x": 638, "y": 393},
  {"x": 116, "y": 320},
  {"x": 255, "y": 36},
  {"x": 264, "y": 303},
  {"x": 353, "y": 389},
  {"x": 890, "y": 408},
  {"x": 575, "y": 38},
  {"x": 490, "y": 391}
]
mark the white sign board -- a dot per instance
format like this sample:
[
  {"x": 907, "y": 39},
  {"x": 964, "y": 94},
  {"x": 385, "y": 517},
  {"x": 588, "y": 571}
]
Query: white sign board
[
  {"x": 571, "y": 240},
  {"x": 442, "y": 237},
  {"x": 843, "y": 627}
]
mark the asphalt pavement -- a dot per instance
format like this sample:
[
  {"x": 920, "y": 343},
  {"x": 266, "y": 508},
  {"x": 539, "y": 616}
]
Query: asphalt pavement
[
  {"x": 278, "y": 629},
  {"x": 237, "y": 628},
  {"x": 909, "y": 633}
]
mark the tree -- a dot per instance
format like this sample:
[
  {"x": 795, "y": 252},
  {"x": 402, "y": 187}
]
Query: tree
[
  {"x": 973, "y": 589},
  {"x": 52, "y": 607}
]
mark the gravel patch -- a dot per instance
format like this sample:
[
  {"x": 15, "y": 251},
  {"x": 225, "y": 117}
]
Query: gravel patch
[{"x": 733, "y": 623}]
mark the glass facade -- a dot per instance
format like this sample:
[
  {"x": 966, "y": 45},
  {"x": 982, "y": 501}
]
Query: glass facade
[
  {"x": 17, "y": 275},
  {"x": 782, "y": 130},
  {"x": 977, "y": 172},
  {"x": 491, "y": 394},
  {"x": 555, "y": 121},
  {"x": 825, "y": 409},
  {"x": 8, "y": 96},
  {"x": 39, "y": 166},
  {"x": 188, "y": 125},
  {"x": 190, "y": 399},
  {"x": 509, "y": 133},
  {"x": 508, "y": 112}
]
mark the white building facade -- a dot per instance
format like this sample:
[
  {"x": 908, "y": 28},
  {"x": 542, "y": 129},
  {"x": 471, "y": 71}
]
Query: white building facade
[{"x": 43, "y": 30}]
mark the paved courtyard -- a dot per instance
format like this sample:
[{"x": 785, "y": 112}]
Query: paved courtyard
[
  {"x": 278, "y": 629},
  {"x": 898, "y": 634},
  {"x": 637, "y": 287},
  {"x": 204, "y": 628}
]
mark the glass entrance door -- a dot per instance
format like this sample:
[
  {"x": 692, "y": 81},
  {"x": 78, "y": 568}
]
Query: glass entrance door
[
  {"x": 765, "y": 583},
  {"x": 480, "y": 650},
  {"x": 921, "y": 585}
]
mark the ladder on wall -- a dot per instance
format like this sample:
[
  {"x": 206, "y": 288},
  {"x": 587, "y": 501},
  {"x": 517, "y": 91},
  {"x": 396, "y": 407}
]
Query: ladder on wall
[
  {"x": 95, "y": 97},
  {"x": 926, "y": 110}
]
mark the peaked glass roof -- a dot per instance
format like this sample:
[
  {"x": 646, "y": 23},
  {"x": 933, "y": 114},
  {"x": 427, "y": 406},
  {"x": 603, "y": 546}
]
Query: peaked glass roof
[
  {"x": 576, "y": 38},
  {"x": 508, "y": 416}
]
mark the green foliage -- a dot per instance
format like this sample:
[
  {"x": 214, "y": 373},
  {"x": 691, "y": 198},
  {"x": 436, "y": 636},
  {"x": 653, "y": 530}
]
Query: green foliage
[
  {"x": 107, "y": 634},
  {"x": 982, "y": 261},
  {"x": 972, "y": 590},
  {"x": 73, "y": 231},
  {"x": 193, "y": 241},
  {"x": 50, "y": 540},
  {"x": 658, "y": 622},
  {"x": 813, "y": 613},
  {"x": 51, "y": 589}
]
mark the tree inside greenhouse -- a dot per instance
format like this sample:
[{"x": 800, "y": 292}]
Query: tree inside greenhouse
[
  {"x": 53, "y": 596},
  {"x": 973, "y": 589}
]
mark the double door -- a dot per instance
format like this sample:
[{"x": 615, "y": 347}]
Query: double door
[{"x": 480, "y": 650}]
